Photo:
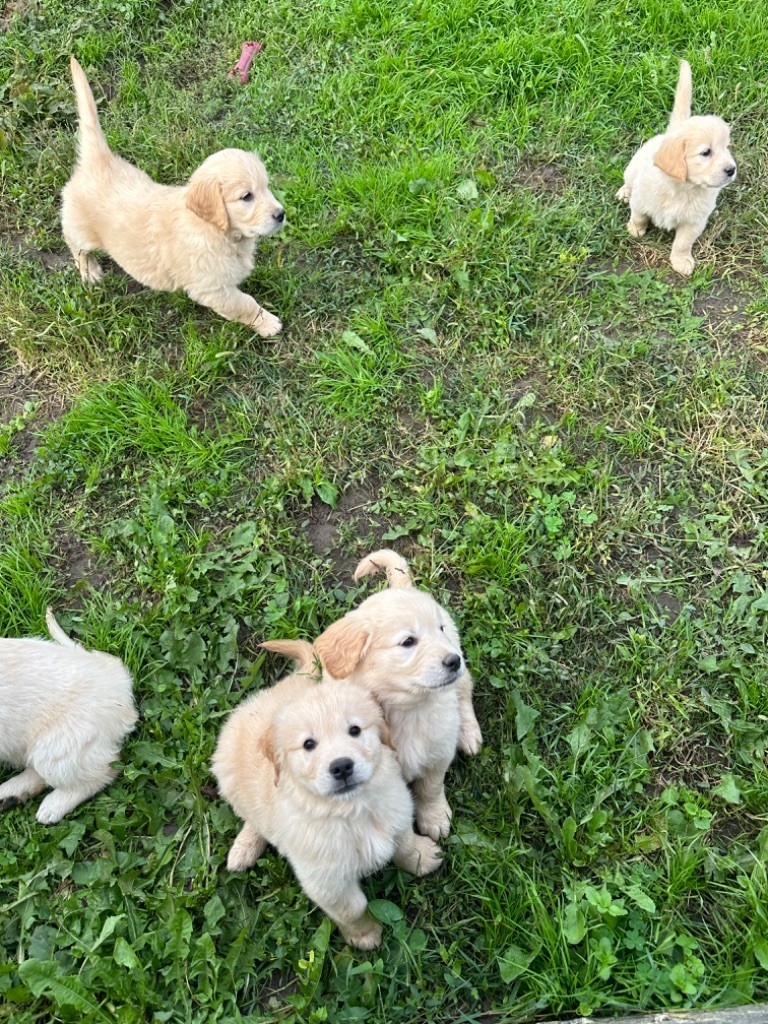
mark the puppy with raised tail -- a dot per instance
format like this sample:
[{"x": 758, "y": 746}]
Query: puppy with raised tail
[
  {"x": 404, "y": 648},
  {"x": 308, "y": 767},
  {"x": 199, "y": 238},
  {"x": 64, "y": 713},
  {"x": 674, "y": 179}
]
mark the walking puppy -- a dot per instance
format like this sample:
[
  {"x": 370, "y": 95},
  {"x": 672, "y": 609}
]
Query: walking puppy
[
  {"x": 404, "y": 648},
  {"x": 64, "y": 713},
  {"x": 199, "y": 238},
  {"x": 674, "y": 179},
  {"x": 308, "y": 768}
]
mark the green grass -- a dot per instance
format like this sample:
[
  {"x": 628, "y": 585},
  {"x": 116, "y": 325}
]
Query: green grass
[{"x": 480, "y": 367}]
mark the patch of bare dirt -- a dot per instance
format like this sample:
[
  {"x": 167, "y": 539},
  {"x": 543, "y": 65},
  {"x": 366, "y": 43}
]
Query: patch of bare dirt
[
  {"x": 77, "y": 563},
  {"x": 20, "y": 388},
  {"x": 49, "y": 258},
  {"x": 11, "y": 9},
  {"x": 694, "y": 763},
  {"x": 346, "y": 533},
  {"x": 541, "y": 177}
]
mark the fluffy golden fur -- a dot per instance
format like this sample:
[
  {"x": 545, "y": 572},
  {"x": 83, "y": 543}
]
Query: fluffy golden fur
[
  {"x": 404, "y": 648},
  {"x": 64, "y": 713},
  {"x": 199, "y": 238},
  {"x": 674, "y": 179},
  {"x": 308, "y": 768}
]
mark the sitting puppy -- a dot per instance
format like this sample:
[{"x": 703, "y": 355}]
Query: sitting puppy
[
  {"x": 308, "y": 768},
  {"x": 199, "y": 238},
  {"x": 64, "y": 713},
  {"x": 674, "y": 179},
  {"x": 404, "y": 648}
]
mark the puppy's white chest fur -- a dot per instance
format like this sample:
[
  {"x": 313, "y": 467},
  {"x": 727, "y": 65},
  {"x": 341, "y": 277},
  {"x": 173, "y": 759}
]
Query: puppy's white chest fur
[{"x": 425, "y": 735}]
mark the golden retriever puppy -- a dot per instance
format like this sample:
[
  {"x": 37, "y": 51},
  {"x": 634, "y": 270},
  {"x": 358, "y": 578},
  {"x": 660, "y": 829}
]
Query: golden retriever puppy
[
  {"x": 674, "y": 179},
  {"x": 64, "y": 713},
  {"x": 308, "y": 768},
  {"x": 404, "y": 648},
  {"x": 199, "y": 238}
]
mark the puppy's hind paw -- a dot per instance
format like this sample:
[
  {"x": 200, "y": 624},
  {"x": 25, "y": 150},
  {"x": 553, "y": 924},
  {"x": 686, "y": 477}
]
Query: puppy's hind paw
[
  {"x": 430, "y": 856},
  {"x": 90, "y": 270},
  {"x": 624, "y": 193},
  {"x": 635, "y": 229},
  {"x": 267, "y": 325}
]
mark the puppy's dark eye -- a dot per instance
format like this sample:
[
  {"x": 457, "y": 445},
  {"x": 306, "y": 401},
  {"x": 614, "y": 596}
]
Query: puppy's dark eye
[
  {"x": 354, "y": 730},
  {"x": 707, "y": 152},
  {"x": 408, "y": 642},
  {"x": 442, "y": 629},
  {"x": 247, "y": 198},
  {"x": 309, "y": 744}
]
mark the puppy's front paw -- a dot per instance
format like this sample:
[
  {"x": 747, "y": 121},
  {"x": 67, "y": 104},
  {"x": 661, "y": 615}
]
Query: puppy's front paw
[
  {"x": 245, "y": 851},
  {"x": 430, "y": 856},
  {"x": 624, "y": 193},
  {"x": 682, "y": 264},
  {"x": 364, "y": 934},
  {"x": 637, "y": 230},
  {"x": 470, "y": 738},
  {"x": 267, "y": 325},
  {"x": 434, "y": 819}
]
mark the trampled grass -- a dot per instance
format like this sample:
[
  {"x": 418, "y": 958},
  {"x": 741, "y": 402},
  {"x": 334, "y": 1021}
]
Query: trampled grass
[{"x": 479, "y": 367}]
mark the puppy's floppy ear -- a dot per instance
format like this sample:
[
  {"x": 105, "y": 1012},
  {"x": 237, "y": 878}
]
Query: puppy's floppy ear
[
  {"x": 266, "y": 746},
  {"x": 341, "y": 646},
  {"x": 671, "y": 159},
  {"x": 204, "y": 199}
]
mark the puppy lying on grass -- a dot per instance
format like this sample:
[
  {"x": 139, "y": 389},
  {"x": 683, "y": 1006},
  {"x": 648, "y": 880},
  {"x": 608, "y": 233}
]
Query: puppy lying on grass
[
  {"x": 404, "y": 648},
  {"x": 308, "y": 768},
  {"x": 64, "y": 713},
  {"x": 199, "y": 238},
  {"x": 674, "y": 179}
]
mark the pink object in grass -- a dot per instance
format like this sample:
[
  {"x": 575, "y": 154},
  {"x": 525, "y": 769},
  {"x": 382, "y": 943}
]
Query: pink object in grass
[{"x": 243, "y": 66}]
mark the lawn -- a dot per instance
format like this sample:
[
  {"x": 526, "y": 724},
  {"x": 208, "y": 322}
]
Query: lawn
[{"x": 480, "y": 368}]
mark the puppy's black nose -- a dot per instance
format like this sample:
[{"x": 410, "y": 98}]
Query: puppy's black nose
[
  {"x": 341, "y": 768},
  {"x": 452, "y": 662},
  {"x": 279, "y": 215},
  {"x": 730, "y": 171}
]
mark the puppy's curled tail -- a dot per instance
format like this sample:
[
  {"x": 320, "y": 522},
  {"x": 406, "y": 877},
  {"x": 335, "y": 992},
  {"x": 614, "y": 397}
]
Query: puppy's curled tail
[
  {"x": 301, "y": 652},
  {"x": 681, "y": 110},
  {"x": 394, "y": 565},
  {"x": 90, "y": 137},
  {"x": 57, "y": 633}
]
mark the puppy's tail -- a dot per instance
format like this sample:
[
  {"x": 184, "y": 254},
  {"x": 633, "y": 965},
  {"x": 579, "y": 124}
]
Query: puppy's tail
[
  {"x": 299, "y": 651},
  {"x": 90, "y": 137},
  {"x": 57, "y": 633},
  {"x": 393, "y": 564},
  {"x": 681, "y": 111}
]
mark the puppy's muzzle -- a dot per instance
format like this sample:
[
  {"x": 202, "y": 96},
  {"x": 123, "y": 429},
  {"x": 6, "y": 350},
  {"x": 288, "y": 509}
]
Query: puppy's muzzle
[
  {"x": 452, "y": 662},
  {"x": 730, "y": 171},
  {"x": 278, "y": 215}
]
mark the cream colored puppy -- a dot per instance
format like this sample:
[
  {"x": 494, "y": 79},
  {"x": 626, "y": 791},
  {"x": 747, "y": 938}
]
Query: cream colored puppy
[
  {"x": 199, "y": 239},
  {"x": 307, "y": 767},
  {"x": 674, "y": 179},
  {"x": 64, "y": 713},
  {"x": 404, "y": 648}
]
